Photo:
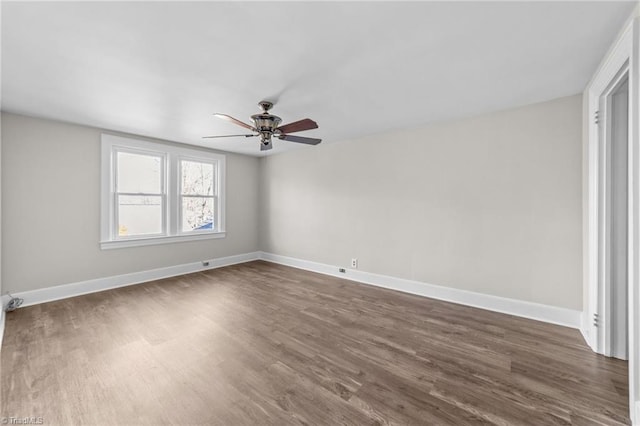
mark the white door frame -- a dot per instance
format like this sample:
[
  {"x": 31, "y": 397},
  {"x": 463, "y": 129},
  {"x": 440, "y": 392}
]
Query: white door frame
[
  {"x": 603, "y": 151},
  {"x": 624, "y": 53}
]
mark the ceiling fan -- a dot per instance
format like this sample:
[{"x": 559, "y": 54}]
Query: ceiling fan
[{"x": 267, "y": 126}]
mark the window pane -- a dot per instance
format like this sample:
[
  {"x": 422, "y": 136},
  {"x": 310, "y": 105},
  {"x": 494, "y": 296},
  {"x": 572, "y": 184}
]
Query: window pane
[
  {"x": 197, "y": 178},
  {"x": 139, "y": 215},
  {"x": 197, "y": 214},
  {"x": 138, "y": 173}
]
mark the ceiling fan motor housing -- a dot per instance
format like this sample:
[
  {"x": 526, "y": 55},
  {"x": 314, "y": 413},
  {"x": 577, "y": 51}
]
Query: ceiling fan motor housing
[{"x": 266, "y": 125}]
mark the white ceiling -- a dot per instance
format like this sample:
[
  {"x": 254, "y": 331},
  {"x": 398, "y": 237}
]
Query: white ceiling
[{"x": 161, "y": 69}]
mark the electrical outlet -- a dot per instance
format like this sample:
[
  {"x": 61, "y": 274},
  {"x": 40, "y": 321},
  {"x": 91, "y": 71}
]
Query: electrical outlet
[{"x": 354, "y": 263}]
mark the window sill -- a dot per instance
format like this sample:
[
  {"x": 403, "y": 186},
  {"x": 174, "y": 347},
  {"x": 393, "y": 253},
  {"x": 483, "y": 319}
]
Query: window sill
[{"x": 150, "y": 241}]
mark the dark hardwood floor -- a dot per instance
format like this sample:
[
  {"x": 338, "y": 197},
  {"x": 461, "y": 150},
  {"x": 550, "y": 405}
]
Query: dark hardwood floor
[{"x": 259, "y": 343}]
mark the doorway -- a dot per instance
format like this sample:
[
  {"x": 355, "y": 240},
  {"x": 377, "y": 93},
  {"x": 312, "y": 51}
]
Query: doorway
[
  {"x": 614, "y": 131},
  {"x": 611, "y": 317}
]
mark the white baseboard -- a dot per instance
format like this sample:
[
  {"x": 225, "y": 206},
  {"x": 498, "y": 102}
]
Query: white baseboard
[
  {"x": 587, "y": 338},
  {"x": 546, "y": 313},
  {"x": 584, "y": 330},
  {"x": 50, "y": 294},
  {"x": 637, "y": 417},
  {"x": 551, "y": 314}
]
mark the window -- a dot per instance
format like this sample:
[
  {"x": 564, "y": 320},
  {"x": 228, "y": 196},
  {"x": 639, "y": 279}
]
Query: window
[
  {"x": 139, "y": 193},
  {"x": 197, "y": 195},
  {"x": 154, "y": 193}
]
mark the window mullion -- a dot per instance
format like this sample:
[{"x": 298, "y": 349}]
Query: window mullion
[
  {"x": 173, "y": 198},
  {"x": 116, "y": 216},
  {"x": 216, "y": 213}
]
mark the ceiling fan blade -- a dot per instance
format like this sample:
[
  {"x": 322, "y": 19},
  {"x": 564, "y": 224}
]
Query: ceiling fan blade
[
  {"x": 265, "y": 147},
  {"x": 228, "y": 136},
  {"x": 298, "y": 126},
  {"x": 234, "y": 120},
  {"x": 300, "y": 139}
]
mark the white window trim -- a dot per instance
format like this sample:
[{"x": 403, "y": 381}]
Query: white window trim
[
  {"x": 216, "y": 196},
  {"x": 172, "y": 232}
]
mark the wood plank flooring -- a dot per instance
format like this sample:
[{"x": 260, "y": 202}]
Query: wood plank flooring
[{"x": 264, "y": 344}]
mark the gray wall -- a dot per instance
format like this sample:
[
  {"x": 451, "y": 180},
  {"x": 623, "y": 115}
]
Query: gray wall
[
  {"x": 1, "y": 291},
  {"x": 490, "y": 204},
  {"x": 51, "y": 210}
]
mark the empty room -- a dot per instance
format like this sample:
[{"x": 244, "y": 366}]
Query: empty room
[{"x": 320, "y": 213}]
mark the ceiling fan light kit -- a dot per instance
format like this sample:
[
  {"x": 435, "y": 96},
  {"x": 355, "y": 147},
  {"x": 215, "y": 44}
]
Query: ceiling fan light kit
[{"x": 267, "y": 126}]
